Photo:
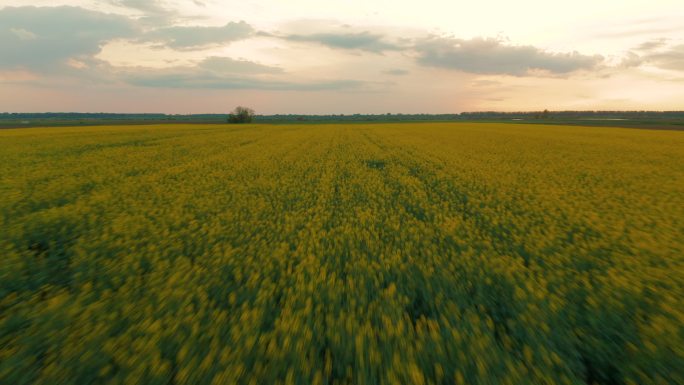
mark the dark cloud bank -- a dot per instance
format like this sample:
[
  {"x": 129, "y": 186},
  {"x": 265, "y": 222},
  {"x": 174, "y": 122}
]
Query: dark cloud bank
[{"x": 43, "y": 39}]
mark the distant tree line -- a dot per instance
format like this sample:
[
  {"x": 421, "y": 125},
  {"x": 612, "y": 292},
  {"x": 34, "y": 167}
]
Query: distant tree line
[
  {"x": 573, "y": 115},
  {"x": 356, "y": 117},
  {"x": 672, "y": 119},
  {"x": 79, "y": 115}
]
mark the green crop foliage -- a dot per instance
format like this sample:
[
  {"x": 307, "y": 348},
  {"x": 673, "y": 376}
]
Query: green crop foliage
[{"x": 435, "y": 253}]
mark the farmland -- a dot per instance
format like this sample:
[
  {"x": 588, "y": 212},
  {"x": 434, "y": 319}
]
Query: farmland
[{"x": 414, "y": 253}]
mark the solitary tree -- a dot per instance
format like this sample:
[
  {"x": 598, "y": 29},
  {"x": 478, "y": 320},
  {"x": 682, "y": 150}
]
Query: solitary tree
[{"x": 241, "y": 115}]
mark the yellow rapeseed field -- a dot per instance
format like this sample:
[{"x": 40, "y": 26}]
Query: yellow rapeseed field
[{"x": 434, "y": 253}]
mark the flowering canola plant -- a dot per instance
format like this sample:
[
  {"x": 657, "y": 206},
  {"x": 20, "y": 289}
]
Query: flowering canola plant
[{"x": 423, "y": 253}]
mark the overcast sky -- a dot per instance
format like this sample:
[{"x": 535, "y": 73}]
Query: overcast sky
[{"x": 351, "y": 56}]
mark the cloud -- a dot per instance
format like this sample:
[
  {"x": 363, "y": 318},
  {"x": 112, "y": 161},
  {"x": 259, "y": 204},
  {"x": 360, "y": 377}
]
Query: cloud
[
  {"x": 670, "y": 59},
  {"x": 485, "y": 83},
  {"x": 396, "y": 72},
  {"x": 147, "y": 6},
  {"x": 656, "y": 53},
  {"x": 154, "y": 13},
  {"x": 364, "y": 41},
  {"x": 193, "y": 37},
  {"x": 491, "y": 56},
  {"x": 208, "y": 80},
  {"x": 631, "y": 59},
  {"x": 23, "y": 34},
  {"x": 228, "y": 65},
  {"x": 651, "y": 45},
  {"x": 45, "y": 39},
  {"x": 228, "y": 73}
]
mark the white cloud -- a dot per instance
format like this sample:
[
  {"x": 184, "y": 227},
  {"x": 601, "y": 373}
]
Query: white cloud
[
  {"x": 493, "y": 56},
  {"x": 195, "y": 37},
  {"x": 671, "y": 58},
  {"x": 231, "y": 66}
]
